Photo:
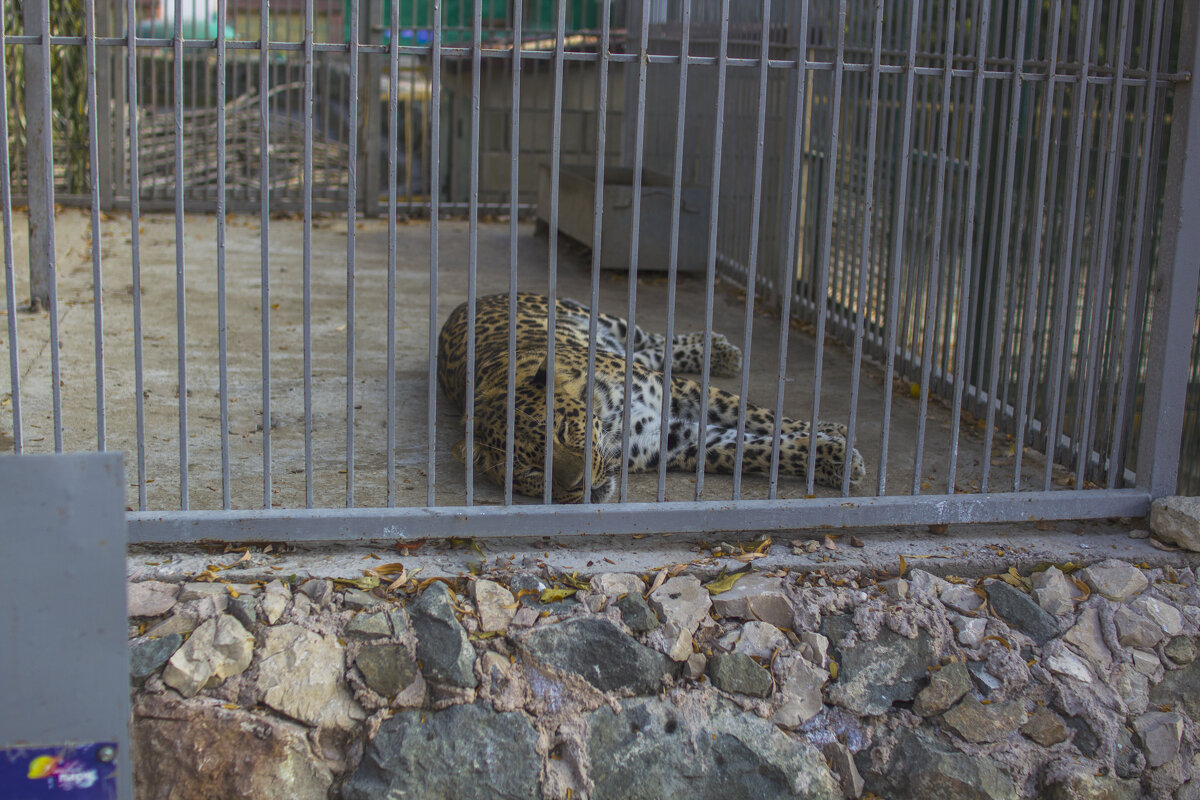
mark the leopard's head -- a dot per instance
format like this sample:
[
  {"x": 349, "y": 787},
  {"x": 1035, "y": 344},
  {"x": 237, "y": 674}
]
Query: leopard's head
[{"x": 529, "y": 441}]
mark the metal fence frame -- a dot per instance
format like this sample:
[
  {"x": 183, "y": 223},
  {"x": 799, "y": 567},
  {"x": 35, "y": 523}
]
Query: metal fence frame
[{"x": 755, "y": 56}]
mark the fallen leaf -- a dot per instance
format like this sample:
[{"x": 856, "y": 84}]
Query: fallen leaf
[
  {"x": 555, "y": 594},
  {"x": 721, "y": 585},
  {"x": 365, "y": 583}
]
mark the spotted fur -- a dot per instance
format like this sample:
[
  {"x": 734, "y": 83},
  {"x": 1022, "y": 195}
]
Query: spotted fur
[{"x": 645, "y": 403}]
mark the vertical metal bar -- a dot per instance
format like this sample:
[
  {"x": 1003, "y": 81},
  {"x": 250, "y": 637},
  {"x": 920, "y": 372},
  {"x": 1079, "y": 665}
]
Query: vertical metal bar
[
  {"x": 1033, "y": 279},
  {"x": 369, "y": 125},
  {"x": 180, "y": 297},
  {"x": 935, "y": 263},
  {"x": 392, "y": 146},
  {"x": 1138, "y": 282},
  {"x": 39, "y": 171},
  {"x": 264, "y": 238},
  {"x": 1116, "y": 116},
  {"x": 351, "y": 220},
  {"x": 764, "y": 53},
  {"x": 895, "y": 265},
  {"x": 839, "y": 68},
  {"x": 222, "y": 343},
  {"x": 685, "y": 39},
  {"x": 473, "y": 242},
  {"x": 639, "y": 143},
  {"x": 1174, "y": 313},
  {"x": 994, "y": 403},
  {"x": 552, "y": 284},
  {"x": 965, "y": 288},
  {"x": 10, "y": 289},
  {"x": 787, "y": 288},
  {"x": 710, "y": 277},
  {"x": 94, "y": 178},
  {"x": 135, "y": 248},
  {"x": 864, "y": 263},
  {"x": 307, "y": 112},
  {"x": 435, "y": 182},
  {"x": 101, "y": 21},
  {"x": 514, "y": 177}
]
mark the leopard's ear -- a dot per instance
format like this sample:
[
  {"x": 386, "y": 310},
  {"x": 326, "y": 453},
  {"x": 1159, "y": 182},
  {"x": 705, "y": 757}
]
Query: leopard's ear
[{"x": 459, "y": 451}]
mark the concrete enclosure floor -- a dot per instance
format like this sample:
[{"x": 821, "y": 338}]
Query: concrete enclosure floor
[{"x": 329, "y": 363}]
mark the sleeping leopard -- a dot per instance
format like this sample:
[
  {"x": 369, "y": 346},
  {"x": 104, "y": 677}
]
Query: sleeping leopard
[{"x": 645, "y": 418}]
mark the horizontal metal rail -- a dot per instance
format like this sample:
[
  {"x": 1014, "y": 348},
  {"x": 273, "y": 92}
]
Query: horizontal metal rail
[{"x": 356, "y": 524}]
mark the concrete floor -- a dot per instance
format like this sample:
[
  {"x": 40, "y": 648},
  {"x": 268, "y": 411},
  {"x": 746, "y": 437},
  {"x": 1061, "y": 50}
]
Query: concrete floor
[{"x": 329, "y": 332}]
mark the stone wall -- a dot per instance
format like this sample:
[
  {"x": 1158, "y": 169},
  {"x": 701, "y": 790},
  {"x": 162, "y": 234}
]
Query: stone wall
[{"x": 526, "y": 683}]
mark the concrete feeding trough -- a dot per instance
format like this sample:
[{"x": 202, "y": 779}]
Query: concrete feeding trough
[{"x": 576, "y": 215}]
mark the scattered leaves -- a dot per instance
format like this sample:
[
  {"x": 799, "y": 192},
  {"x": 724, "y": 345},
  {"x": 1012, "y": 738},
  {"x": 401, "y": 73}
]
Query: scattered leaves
[
  {"x": 555, "y": 594},
  {"x": 725, "y": 583}
]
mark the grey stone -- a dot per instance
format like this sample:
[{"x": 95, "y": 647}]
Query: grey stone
[
  {"x": 652, "y": 750},
  {"x": 1176, "y": 520},
  {"x": 738, "y": 672},
  {"x": 600, "y": 652},
  {"x": 614, "y": 584},
  {"x": 926, "y": 584},
  {"x": 319, "y": 591},
  {"x": 838, "y": 755},
  {"x": 1134, "y": 630},
  {"x": 978, "y": 723},
  {"x": 756, "y": 597},
  {"x": 1162, "y": 613},
  {"x": 961, "y": 598},
  {"x": 1021, "y": 612},
  {"x": 1160, "y": 733},
  {"x": 216, "y": 650},
  {"x": 1064, "y": 662},
  {"x": 636, "y": 613},
  {"x": 357, "y": 598},
  {"x": 301, "y": 674},
  {"x": 800, "y": 691},
  {"x": 946, "y": 687},
  {"x": 1181, "y": 650},
  {"x": 676, "y": 643},
  {"x": 985, "y": 682},
  {"x": 1046, "y": 728},
  {"x": 1083, "y": 784},
  {"x": 1085, "y": 738},
  {"x": 443, "y": 649},
  {"x": 468, "y": 752},
  {"x": 1087, "y": 637},
  {"x": 494, "y": 605},
  {"x": 370, "y": 625},
  {"x": 682, "y": 602},
  {"x": 174, "y": 624},
  {"x": 1131, "y": 686},
  {"x": 244, "y": 608},
  {"x": 970, "y": 631},
  {"x": 187, "y": 750},
  {"x": 874, "y": 674},
  {"x": 895, "y": 588},
  {"x": 274, "y": 601},
  {"x": 694, "y": 667},
  {"x": 146, "y": 655},
  {"x": 1054, "y": 591},
  {"x": 921, "y": 767},
  {"x": 1113, "y": 579},
  {"x": 387, "y": 669},
  {"x": 1128, "y": 760},
  {"x": 150, "y": 598},
  {"x": 760, "y": 640},
  {"x": 1147, "y": 663},
  {"x": 815, "y": 648}
]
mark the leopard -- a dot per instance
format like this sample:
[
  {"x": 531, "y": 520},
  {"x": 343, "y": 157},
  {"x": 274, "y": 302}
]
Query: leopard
[{"x": 645, "y": 360}]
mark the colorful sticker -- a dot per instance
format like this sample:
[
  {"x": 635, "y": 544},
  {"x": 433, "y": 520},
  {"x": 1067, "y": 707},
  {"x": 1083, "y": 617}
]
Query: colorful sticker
[{"x": 83, "y": 772}]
